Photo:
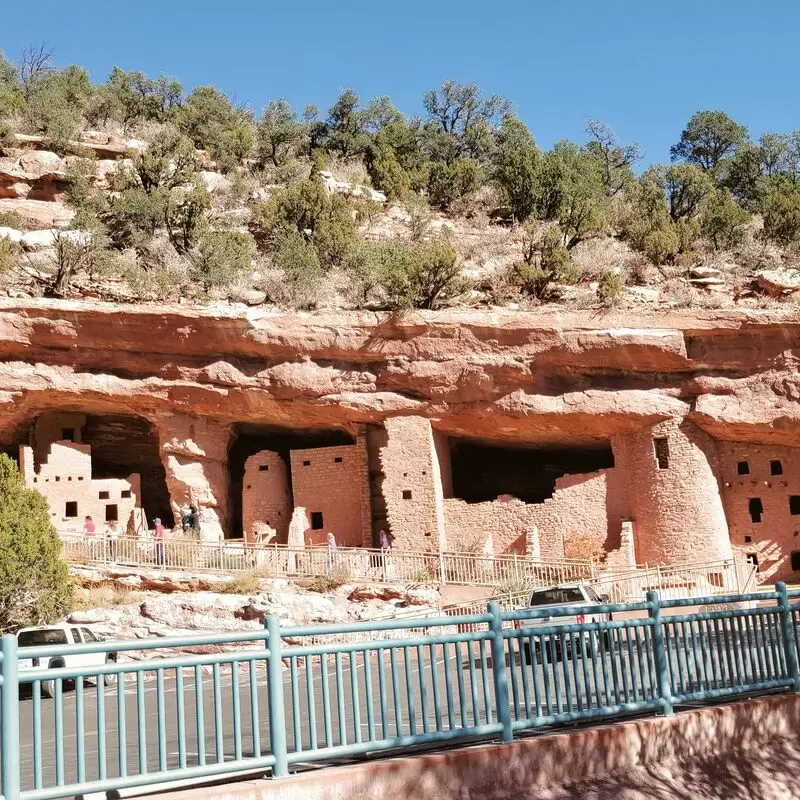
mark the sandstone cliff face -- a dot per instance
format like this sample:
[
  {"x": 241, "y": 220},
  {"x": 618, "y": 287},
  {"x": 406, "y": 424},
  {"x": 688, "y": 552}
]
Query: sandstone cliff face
[{"x": 552, "y": 378}]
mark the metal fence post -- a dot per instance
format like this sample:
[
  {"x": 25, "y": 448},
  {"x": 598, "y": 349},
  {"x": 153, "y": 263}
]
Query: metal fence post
[
  {"x": 499, "y": 672},
  {"x": 660, "y": 654},
  {"x": 9, "y": 722},
  {"x": 277, "y": 714},
  {"x": 789, "y": 636}
]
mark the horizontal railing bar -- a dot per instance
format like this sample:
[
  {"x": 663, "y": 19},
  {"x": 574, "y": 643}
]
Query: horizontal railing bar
[
  {"x": 113, "y": 668},
  {"x": 534, "y": 612},
  {"x": 574, "y": 627},
  {"x": 717, "y": 599},
  {"x": 124, "y": 645},
  {"x": 383, "y": 644},
  {"x": 404, "y": 623},
  {"x": 586, "y": 715}
]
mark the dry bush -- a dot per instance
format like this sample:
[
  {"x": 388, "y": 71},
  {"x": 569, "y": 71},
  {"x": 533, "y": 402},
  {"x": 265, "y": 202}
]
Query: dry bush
[
  {"x": 249, "y": 583},
  {"x": 350, "y": 171},
  {"x": 338, "y": 575},
  {"x": 103, "y": 596}
]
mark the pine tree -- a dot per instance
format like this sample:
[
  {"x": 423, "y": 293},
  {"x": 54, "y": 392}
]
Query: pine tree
[{"x": 35, "y": 586}]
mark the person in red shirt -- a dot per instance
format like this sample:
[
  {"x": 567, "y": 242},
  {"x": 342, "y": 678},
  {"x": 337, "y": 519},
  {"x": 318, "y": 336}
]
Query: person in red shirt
[{"x": 88, "y": 527}]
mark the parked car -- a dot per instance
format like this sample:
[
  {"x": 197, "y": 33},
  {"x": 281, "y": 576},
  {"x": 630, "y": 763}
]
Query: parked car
[
  {"x": 561, "y": 597},
  {"x": 55, "y": 636}
]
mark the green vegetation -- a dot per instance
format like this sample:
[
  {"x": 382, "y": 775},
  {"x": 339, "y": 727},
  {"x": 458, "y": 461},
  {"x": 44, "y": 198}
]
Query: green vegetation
[
  {"x": 163, "y": 230},
  {"x": 35, "y": 587}
]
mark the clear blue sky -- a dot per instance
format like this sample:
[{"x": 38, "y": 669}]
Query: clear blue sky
[{"x": 642, "y": 66}]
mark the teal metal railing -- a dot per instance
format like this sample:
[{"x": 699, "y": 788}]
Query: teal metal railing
[{"x": 137, "y": 713}]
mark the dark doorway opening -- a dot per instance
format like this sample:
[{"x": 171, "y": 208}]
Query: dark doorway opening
[
  {"x": 756, "y": 509},
  {"x": 112, "y": 513},
  {"x": 247, "y": 440},
  {"x": 482, "y": 472}
]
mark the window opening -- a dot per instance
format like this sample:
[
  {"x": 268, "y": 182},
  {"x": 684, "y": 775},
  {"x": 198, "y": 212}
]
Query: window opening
[
  {"x": 794, "y": 505},
  {"x": 103, "y": 496},
  {"x": 756, "y": 509},
  {"x": 263, "y": 467},
  {"x": 406, "y": 494},
  {"x": 752, "y": 558},
  {"x": 112, "y": 513},
  {"x": 661, "y": 447},
  {"x": 796, "y": 561},
  {"x": 125, "y": 494},
  {"x": 71, "y": 508},
  {"x": 775, "y": 468},
  {"x": 743, "y": 468},
  {"x": 68, "y": 434},
  {"x": 316, "y": 521},
  {"x": 337, "y": 460},
  {"x": 306, "y": 463}
]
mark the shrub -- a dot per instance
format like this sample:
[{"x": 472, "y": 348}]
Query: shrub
[
  {"x": 609, "y": 288},
  {"x": 298, "y": 260},
  {"x": 221, "y": 257},
  {"x": 8, "y": 254},
  {"x": 422, "y": 275},
  {"x": 338, "y": 575},
  {"x": 249, "y": 583},
  {"x": 545, "y": 259},
  {"x": 450, "y": 182},
  {"x": 11, "y": 219},
  {"x": 35, "y": 587}
]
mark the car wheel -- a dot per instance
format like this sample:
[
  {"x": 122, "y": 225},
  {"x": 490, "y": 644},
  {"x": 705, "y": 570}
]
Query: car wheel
[{"x": 110, "y": 679}]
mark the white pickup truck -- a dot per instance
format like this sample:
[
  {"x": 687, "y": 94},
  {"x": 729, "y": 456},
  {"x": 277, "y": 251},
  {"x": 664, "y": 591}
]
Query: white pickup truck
[
  {"x": 556, "y": 598},
  {"x": 53, "y": 636}
]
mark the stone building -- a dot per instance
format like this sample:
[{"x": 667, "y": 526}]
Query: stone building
[{"x": 60, "y": 467}]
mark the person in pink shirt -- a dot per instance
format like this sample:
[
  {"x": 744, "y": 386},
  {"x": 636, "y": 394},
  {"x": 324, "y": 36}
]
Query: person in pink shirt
[{"x": 159, "y": 534}]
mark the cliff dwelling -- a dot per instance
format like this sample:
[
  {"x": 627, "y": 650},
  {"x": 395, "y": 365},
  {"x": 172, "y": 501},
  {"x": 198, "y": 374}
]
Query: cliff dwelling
[{"x": 430, "y": 430}]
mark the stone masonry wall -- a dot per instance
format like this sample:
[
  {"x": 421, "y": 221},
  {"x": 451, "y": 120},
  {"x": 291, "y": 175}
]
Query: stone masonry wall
[
  {"x": 771, "y": 475},
  {"x": 65, "y": 480},
  {"x": 412, "y": 486},
  {"x": 266, "y": 497},
  {"x": 327, "y": 481},
  {"x": 676, "y": 504},
  {"x": 573, "y": 523}
]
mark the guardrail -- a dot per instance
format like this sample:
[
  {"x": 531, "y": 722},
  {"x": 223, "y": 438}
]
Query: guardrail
[
  {"x": 269, "y": 701},
  {"x": 183, "y": 553}
]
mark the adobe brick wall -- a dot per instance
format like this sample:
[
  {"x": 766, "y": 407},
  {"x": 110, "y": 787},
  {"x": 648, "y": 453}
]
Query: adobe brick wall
[
  {"x": 66, "y": 477},
  {"x": 266, "y": 497},
  {"x": 331, "y": 487},
  {"x": 412, "y": 486},
  {"x": 365, "y": 493},
  {"x": 777, "y": 536},
  {"x": 573, "y": 523},
  {"x": 49, "y": 427},
  {"x": 677, "y": 511}
]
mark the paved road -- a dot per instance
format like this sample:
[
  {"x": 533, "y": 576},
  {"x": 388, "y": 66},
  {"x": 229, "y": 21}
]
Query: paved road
[{"x": 391, "y": 696}]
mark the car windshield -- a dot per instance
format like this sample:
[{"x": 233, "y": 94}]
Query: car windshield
[
  {"x": 550, "y": 597},
  {"x": 36, "y": 638}
]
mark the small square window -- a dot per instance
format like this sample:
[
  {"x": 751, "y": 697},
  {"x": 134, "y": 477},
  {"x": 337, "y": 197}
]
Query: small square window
[
  {"x": 406, "y": 494},
  {"x": 337, "y": 460},
  {"x": 794, "y": 505},
  {"x": 80, "y": 477},
  {"x": 71, "y": 509},
  {"x": 125, "y": 494},
  {"x": 306, "y": 463},
  {"x": 58, "y": 477},
  {"x": 775, "y": 468},
  {"x": 69, "y": 478},
  {"x": 743, "y": 468},
  {"x": 103, "y": 495},
  {"x": 796, "y": 561},
  {"x": 317, "y": 523},
  {"x": 748, "y": 539},
  {"x": 68, "y": 434},
  {"x": 263, "y": 467}
]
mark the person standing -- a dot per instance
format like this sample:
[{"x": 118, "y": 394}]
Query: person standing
[
  {"x": 89, "y": 531},
  {"x": 112, "y": 536},
  {"x": 386, "y": 546},
  {"x": 330, "y": 556},
  {"x": 159, "y": 534},
  {"x": 194, "y": 520}
]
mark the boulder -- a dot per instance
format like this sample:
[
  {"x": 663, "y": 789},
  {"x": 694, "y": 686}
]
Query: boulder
[
  {"x": 704, "y": 272},
  {"x": 41, "y": 240},
  {"x": 40, "y": 162},
  {"x": 87, "y": 617},
  {"x": 377, "y": 592},
  {"x": 779, "y": 282},
  {"x": 12, "y": 234},
  {"x": 39, "y": 213}
]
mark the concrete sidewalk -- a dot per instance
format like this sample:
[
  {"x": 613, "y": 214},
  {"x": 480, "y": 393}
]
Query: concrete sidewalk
[{"x": 748, "y": 750}]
